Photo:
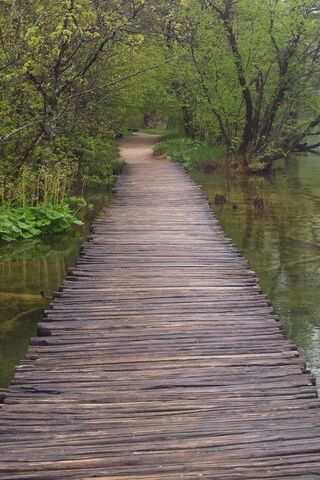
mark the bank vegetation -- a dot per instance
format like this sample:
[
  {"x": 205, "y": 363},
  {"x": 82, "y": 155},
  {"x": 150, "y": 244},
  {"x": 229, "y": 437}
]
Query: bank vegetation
[{"x": 238, "y": 77}]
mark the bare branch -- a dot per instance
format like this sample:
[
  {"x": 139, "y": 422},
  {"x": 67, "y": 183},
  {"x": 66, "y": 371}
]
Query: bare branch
[
  {"x": 115, "y": 82},
  {"x": 18, "y": 130}
]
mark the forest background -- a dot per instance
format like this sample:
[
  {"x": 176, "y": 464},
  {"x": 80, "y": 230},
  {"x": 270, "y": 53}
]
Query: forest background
[{"x": 237, "y": 81}]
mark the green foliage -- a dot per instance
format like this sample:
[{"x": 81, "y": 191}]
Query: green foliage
[
  {"x": 29, "y": 222},
  {"x": 100, "y": 166},
  {"x": 258, "y": 167},
  {"x": 243, "y": 79},
  {"x": 65, "y": 78},
  {"x": 36, "y": 185},
  {"x": 117, "y": 165},
  {"x": 75, "y": 74},
  {"x": 194, "y": 154}
]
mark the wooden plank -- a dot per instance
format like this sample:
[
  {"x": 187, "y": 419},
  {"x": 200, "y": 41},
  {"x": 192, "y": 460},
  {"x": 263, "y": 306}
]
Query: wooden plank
[{"x": 160, "y": 358}]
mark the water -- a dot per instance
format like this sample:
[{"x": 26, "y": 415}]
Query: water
[
  {"x": 281, "y": 241},
  {"x": 30, "y": 271}
]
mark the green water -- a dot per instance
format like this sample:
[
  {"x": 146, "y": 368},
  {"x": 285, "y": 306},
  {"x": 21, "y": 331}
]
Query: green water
[
  {"x": 281, "y": 241},
  {"x": 30, "y": 271}
]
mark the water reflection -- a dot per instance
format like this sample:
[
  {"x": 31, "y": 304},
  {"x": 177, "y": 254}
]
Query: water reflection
[
  {"x": 281, "y": 241},
  {"x": 30, "y": 271}
]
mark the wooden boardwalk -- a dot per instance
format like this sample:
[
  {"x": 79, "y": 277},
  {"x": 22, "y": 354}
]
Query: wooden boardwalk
[{"x": 165, "y": 361}]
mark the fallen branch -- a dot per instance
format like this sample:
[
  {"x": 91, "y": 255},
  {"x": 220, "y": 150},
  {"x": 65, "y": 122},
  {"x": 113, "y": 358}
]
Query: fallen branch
[{"x": 304, "y": 147}]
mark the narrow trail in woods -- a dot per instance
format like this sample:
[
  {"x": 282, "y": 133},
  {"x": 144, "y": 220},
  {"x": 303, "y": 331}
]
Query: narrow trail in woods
[{"x": 160, "y": 358}]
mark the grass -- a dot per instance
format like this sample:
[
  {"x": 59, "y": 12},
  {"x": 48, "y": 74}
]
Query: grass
[
  {"x": 36, "y": 185},
  {"x": 37, "y": 202},
  {"x": 195, "y": 154}
]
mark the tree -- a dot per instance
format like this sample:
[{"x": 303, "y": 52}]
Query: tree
[
  {"x": 244, "y": 73},
  {"x": 58, "y": 59},
  {"x": 255, "y": 73}
]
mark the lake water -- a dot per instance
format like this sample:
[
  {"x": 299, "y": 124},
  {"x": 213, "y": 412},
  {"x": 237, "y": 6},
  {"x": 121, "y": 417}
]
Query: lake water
[
  {"x": 281, "y": 241},
  {"x": 30, "y": 271}
]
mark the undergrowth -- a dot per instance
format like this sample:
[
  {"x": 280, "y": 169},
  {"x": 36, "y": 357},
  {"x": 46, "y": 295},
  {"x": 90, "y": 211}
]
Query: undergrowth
[
  {"x": 100, "y": 165},
  {"x": 195, "y": 154},
  {"x": 29, "y": 222},
  {"x": 38, "y": 199}
]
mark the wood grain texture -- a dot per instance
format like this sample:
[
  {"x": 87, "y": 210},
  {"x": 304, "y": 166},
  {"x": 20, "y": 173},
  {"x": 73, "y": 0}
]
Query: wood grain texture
[{"x": 160, "y": 358}]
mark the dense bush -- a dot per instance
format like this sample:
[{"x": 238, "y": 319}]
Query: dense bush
[
  {"x": 100, "y": 166},
  {"x": 193, "y": 154},
  {"x": 37, "y": 200},
  {"x": 35, "y": 185}
]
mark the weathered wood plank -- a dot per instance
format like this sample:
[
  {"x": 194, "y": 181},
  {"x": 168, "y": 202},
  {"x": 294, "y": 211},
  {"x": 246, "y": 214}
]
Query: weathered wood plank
[{"x": 160, "y": 358}]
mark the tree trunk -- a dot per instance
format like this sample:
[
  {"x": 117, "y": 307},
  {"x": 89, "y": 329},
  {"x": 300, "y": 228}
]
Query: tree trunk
[
  {"x": 50, "y": 124},
  {"x": 248, "y": 131},
  {"x": 187, "y": 116}
]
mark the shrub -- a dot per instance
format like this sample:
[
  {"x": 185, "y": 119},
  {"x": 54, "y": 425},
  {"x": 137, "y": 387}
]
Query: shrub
[
  {"x": 193, "y": 154},
  {"x": 258, "y": 167},
  {"x": 36, "y": 185},
  {"x": 100, "y": 165},
  {"x": 29, "y": 222},
  {"x": 35, "y": 198}
]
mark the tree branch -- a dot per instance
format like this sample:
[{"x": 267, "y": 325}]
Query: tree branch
[
  {"x": 18, "y": 130},
  {"x": 115, "y": 82}
]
